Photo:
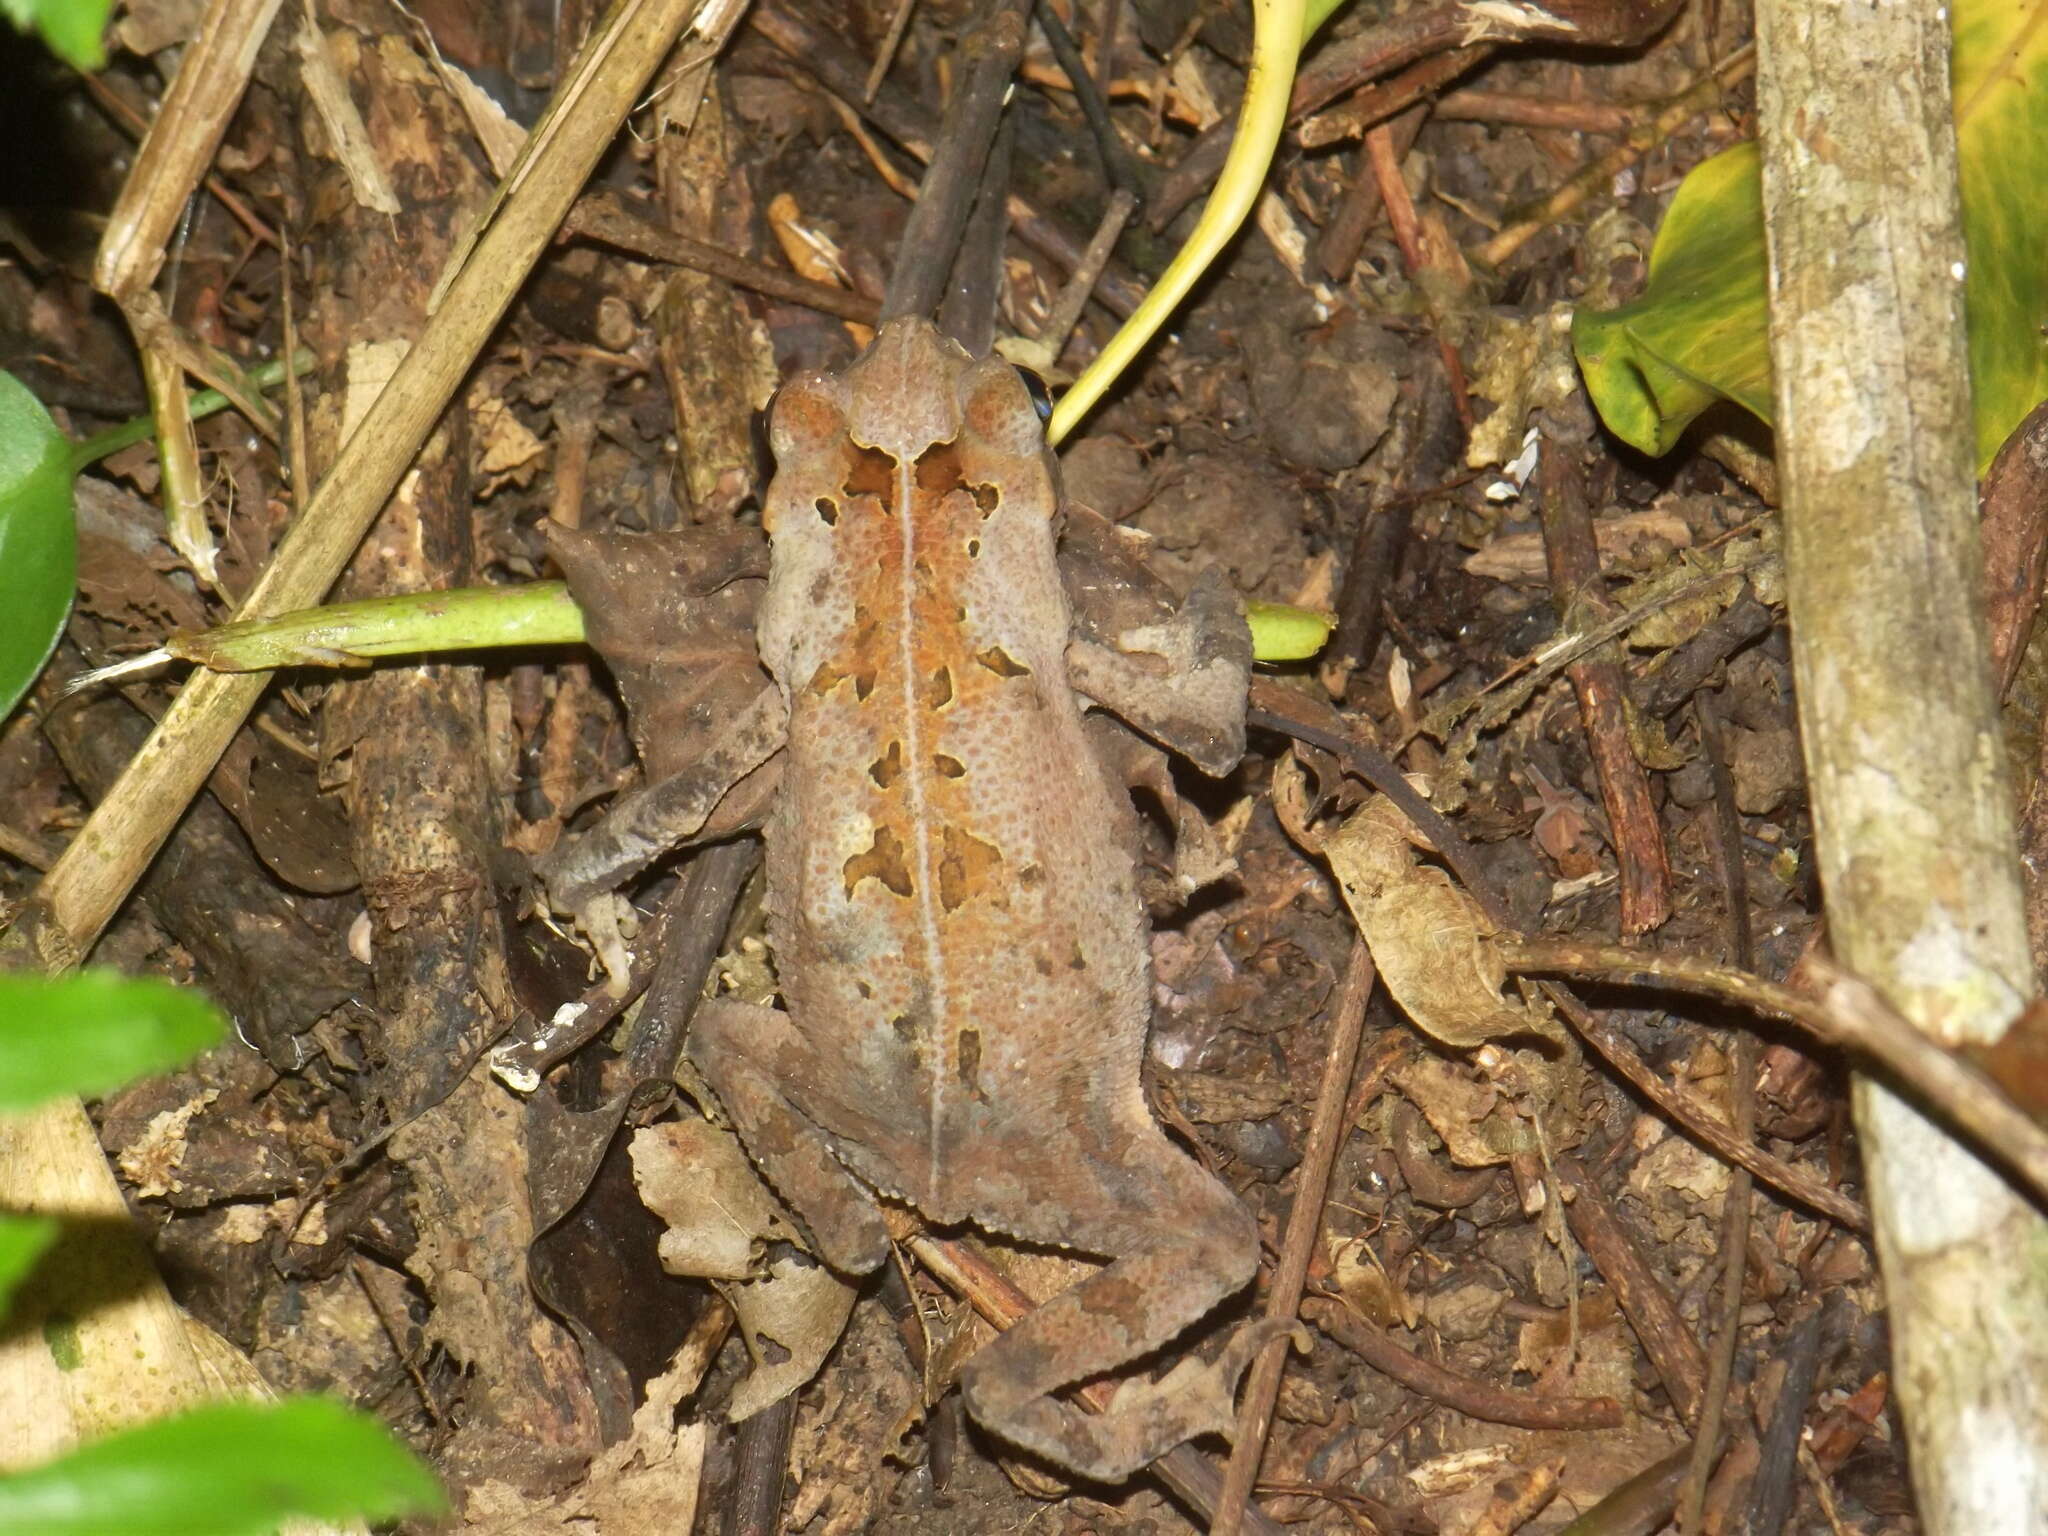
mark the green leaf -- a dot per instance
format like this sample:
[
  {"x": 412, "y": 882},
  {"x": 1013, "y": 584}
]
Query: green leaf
[
  {"x": 22, "y": 1241},
  {"x": 70, "y": 28},
  {"x": 1699, "y": 330},
  {"x": 94, "y": 1031},
  {"x": 232, "y": 1470},
  {"x": 1284, "y": 633},
  {"x": 38, "y": 543}
]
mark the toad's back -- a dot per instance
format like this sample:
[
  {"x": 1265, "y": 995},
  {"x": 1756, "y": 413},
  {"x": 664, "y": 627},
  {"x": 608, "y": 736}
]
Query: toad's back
[{"x": 952, "y": 903}]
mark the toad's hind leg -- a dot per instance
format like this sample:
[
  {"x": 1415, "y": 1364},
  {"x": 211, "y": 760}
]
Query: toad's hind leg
[
  {"x": 1184, "y": 1244},
  {"x": 745, "y": 1051}
]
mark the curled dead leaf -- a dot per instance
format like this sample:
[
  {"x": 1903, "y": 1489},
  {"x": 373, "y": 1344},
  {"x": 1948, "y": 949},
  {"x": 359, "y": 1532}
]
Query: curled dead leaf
[
  {"x": 722, "y": 1218},
  {"x": 1430, "y": 941}
]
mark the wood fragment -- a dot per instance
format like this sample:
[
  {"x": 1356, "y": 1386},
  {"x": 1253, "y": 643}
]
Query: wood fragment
[
  {"x": 1601, "y": 686},
  {"x": 180, "y": 144}
]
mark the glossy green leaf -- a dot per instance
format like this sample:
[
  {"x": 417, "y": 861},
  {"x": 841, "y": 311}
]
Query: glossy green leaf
[
  {"x": 1284, "y": 633},
  {"x": 22, "y": 1241},
  {"x": 38, "y": 543},
  {"x": 1699, "y": 331},
  {"x": 93, "y": 1031},
  {"x": 232, "y": 1470},
  {"x": 70, "y": 28}
]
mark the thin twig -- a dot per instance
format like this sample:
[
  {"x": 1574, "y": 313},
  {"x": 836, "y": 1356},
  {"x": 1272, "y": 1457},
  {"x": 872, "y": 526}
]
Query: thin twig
[
  {"x": 886, "y": 54},
  {"x": 1846, "y": 1012},
  {"x": 1680, "y": 1362},
  {"x": 1043, "y": 351},
  {"x": 606, "y": 219},
  {"x": 1327, "y": 1129},
  {"x": 1742, "y": 1104},
  {"x": 1600, "y": 173},
  {"x": 1476, "y": 1399},
  {"x": 1600, "y": 685},
  {"x": 1117, "y": 162},
  {"x": 1417, "y": 258}
]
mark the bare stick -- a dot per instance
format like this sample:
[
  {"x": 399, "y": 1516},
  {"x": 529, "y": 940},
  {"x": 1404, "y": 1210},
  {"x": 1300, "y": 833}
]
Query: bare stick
[
  {"x": 1847, "y": 1012},
  {"x": 1327, "y": 1129}
]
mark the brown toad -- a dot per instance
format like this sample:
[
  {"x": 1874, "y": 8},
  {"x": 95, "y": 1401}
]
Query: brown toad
[{"x": 953, "y": 903}]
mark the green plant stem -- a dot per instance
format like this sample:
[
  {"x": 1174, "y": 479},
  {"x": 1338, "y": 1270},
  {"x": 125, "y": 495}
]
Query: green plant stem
[{"x": 204, "y": 402}]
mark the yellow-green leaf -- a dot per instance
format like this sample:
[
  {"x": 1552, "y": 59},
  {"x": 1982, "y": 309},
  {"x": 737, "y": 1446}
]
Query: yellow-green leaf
[
  {"x": 1281, "y": 632},
  {"x": 1698, "y": 332}
]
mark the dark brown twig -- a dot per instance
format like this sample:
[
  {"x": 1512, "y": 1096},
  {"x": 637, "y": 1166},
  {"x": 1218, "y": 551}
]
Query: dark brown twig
[
  {"x": 988, "y": 57},
  {"x": 1844, "y": 1011},
  {"x": 1327, "y": 1129},
  {"x": 886, "y": 54},
  {"x": 1377, "y": 104},
  {"x": 1276, "y": 708},
  {"x": 1526, "y": 1410},
  {"x": 606, "y": 218},
  {"x": 1687, "y": 668},
  {"x": 914, "y": 126},
  {"x": 762, "y": 1467},
  {"x": 974, "y": 289},
  {"x": 1697, "y": 1120},
  {"x": 1043, "y": 350},
  {"x": 1601, "y": 687},
  {"x": 1118, "y": 165},
  {"x": 1343, "y": 235},
  {"x": 1419, "y": 255},
  {"x": 1681, "y": 1364},
  {"x": 1742, "y": 1105},
  {"x": 1434, "y": 445},
  {"x": 1771, "y": 1500}
]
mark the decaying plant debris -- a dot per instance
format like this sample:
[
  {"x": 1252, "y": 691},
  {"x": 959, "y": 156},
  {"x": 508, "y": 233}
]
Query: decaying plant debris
[{"x": 443, "y": 1171}]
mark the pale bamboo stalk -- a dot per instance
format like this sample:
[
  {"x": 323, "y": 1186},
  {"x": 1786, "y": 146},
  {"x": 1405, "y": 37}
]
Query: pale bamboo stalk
[
  {"x": 1912, "y": 811},
  {"x": 180, "y": 144}
]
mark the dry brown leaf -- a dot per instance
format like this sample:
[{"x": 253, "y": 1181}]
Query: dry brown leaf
[
  {"x": 721, "y": 1217},
  {"x": 789, "y": 1322},
  {"x": 646, "y": 1485},
  {"x": 1478, "y": 1126},
  {"x": 1427, "y": 937}
]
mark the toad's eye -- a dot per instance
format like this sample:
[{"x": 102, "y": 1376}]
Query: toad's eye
[{"x": 1041, "y": 396}]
